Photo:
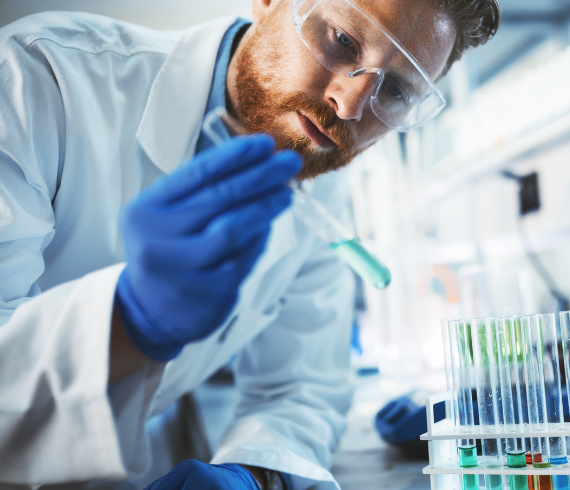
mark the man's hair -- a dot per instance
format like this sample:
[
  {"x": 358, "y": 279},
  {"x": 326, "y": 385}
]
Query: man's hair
[{"x": 476, "y": 22}]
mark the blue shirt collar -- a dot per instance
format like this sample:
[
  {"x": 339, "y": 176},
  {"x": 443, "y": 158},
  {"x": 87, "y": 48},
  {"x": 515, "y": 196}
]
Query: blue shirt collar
[{"x": 217, "y": 96}]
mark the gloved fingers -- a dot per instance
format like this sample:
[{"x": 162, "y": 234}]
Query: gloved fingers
[
  {"x": 193, "y": 213},
  {"x": 223, "y": 239},
  {"x": 228, "y": 234},
  {"x": 209, "y": 166},
  {"x": 225, "y": 277}
]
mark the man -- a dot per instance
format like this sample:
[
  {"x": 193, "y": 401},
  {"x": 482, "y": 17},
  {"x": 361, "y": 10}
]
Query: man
[{"x": 107, "y": 320}]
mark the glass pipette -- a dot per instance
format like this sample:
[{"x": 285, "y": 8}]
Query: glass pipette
[{"x": 219, "y": 126}]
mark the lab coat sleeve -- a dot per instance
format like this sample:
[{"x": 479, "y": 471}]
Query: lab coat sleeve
[
  {"x": 56, "y": 421},
  {"x": 295, "y": 379}
]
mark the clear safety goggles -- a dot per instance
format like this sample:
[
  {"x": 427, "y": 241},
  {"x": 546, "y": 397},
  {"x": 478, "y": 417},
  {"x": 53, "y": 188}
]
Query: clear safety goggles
[{"x": 345, "y": 40}]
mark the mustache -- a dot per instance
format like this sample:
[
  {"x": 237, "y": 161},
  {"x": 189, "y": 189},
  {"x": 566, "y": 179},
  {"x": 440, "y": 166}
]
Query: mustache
[{"x": 324, "y": 115}]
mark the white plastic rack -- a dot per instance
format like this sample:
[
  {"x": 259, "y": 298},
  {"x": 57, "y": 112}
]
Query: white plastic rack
[{"x": 442, "y": 437}]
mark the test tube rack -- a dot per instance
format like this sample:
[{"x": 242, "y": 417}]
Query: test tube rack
[{"x": 443, "y": 436}]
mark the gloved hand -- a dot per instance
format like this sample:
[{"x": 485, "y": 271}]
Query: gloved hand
[
  {"x": 193, "y": 475},
  {"x": 192, "y": 237}
]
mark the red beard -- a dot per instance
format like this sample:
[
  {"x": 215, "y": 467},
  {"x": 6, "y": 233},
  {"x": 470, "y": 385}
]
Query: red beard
[{"x": 260, "y": 108}]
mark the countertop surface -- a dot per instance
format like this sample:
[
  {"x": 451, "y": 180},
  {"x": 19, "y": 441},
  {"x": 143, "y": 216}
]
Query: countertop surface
[{"x": 363, "y": 461}]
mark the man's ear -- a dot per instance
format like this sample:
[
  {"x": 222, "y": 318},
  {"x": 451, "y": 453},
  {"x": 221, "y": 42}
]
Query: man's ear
[{"x": 260, "y": 8}]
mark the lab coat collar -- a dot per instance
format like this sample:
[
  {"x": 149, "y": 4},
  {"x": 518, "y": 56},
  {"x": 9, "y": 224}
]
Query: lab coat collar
[{"x": 173, "y": 115}]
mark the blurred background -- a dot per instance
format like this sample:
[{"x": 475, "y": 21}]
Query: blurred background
[{"x": 471, "y": 212}]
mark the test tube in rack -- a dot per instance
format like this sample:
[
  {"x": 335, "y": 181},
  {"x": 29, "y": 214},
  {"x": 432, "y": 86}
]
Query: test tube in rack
[
  {"x": 460, "y": 367},
  {"x": 484, "y": 338},
  {"x": 521, "y": 406},
  {"x": 506, "y": 361},
  {"x": 535, "y": 390},
  {"x": 553, "y": 395},
  {"x": 449, "y": 367}
]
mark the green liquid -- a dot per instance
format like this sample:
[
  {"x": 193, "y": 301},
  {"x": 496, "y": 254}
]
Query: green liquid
[
  {"x": 470, "y": 482},
  {"x": 468, "y": 459},
  {"x": 518, "y": 482},
  {"x": 542, "y": 482},
  {"x": 468, "y": 456},
  {"x": 517, "y": 459},
  {"x": 493, "y": 482},
  {"x": 363, "y": 262}
]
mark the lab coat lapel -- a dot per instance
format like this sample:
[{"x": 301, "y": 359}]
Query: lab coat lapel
[
  {"x": 173, "y": 115},
  {"x": 281, "y": 241}
]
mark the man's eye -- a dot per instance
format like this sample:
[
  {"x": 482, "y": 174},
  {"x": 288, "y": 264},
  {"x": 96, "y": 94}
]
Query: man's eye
[
  {"x": 343, "y": 39},
  {"x": 394, "y": 90}
]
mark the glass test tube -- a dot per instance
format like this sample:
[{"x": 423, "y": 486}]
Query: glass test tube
[
  {"x": 517, "y": 459},
  {"x": 506, "y": 360},
  {"x": 553, "y": 392},
  {"x": 565, "y": 340},
  {"x": 483, "y": 332},
  {"x": 521, "y": 405},
  {"x": 461, "y": 364},
  {"x": 220, "y": 126},
  {"x": 449, "y": 370},
  {"x": 542, "y": 482},
  {"x": 528, "y": 457},
  {"x": 534, "y": 377}
]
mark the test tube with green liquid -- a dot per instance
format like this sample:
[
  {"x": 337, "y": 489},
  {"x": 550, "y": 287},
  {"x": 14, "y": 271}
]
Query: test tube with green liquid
[
  {"x": 516, "y": 459},
  {"x": 219, "y": 126},
  {"x": 461, "y": 365},
  {"x": 483, "y": 333},
  {"x": 507, "y": 370},
  {"x": 542, "y": 482},
  {"x": 468, "y": 459},
  {"x": 347, "y": 246}
]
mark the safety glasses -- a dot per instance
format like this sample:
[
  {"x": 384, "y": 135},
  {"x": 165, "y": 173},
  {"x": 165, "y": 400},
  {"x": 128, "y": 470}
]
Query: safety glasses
[{"x": 345, "y": 40}]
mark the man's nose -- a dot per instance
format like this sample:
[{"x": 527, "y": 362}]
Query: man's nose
[{"x": 349, "y": 95}]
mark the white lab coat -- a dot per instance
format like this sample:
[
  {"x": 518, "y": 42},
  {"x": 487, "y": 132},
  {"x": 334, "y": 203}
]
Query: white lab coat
[{"x": 91, "y": 111}]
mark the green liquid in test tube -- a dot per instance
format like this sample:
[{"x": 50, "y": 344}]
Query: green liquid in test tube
[
  {"x": 468, "y": 459},
  {"x": 517, "y": 459},
  {"x": 362, "y": 262},
  {"x": 542, "y": 482},
  {"x": 485, "y": 353}
]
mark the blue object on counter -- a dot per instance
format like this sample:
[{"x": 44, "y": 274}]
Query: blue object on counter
[{"x": 404, "y": 419}]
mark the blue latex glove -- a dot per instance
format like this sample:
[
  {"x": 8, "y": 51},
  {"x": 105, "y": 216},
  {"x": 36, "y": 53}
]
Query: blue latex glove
[
  {"x": 192, "y": 474},
  {"x": 192, "y": 237}
]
